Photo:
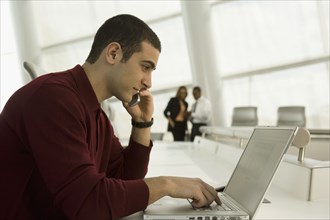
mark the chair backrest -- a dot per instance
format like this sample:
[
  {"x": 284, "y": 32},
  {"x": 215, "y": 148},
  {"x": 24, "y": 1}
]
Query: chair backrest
[
  {"x": 245, "y": 116},
  {"x": 291, "y": 116},
  {"x": 156, "y": 136},
  {"x": 33, "y": 70}
]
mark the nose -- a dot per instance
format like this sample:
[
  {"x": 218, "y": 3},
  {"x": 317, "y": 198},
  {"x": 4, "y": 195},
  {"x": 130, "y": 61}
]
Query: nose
[{"x": 147, "y": 82}]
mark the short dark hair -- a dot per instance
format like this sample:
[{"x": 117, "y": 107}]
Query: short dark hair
[
  {"x": 127, "y": 30},
  {"x": 197, "y": 88}
]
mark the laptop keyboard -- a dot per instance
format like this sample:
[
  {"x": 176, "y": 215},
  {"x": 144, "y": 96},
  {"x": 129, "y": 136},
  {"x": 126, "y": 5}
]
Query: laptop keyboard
[
  {"x": 215, "y": 207},
  {"x": 222, "y": 207}
]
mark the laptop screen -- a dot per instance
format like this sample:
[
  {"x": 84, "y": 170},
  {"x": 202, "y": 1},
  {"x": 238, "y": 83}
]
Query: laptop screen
[{"x": 257, "y": 166}]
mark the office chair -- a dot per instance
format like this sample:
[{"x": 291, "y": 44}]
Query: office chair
[
  {"x": 245, "y": 116},
  {"x": 33, "y": 70},
  {"x": 291, "y": 116}
]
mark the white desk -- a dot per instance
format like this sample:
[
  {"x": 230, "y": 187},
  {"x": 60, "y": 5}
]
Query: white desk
[{"x": 193, "y": 160}]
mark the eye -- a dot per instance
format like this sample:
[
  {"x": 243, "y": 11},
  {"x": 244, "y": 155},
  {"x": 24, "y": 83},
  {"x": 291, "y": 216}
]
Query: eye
[{"x": 146, "y": 67}]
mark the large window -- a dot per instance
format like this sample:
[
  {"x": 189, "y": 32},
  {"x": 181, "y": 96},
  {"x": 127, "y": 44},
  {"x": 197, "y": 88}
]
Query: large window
[
  {"x": 268, "y": 53},
  {"x": 274, "y": 53}
]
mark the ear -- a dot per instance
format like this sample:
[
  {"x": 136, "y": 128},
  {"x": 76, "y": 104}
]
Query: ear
[{"x": 113, "y": 52}]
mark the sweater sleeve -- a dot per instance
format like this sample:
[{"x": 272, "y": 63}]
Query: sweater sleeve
[
  {"x": 58, "y": 139},
  {"x": 129, "y": 163}
]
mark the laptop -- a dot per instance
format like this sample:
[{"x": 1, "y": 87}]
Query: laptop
[{"x": 246, "y": 187}]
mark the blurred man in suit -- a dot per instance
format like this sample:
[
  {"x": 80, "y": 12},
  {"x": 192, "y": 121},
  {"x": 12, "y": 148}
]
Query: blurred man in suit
[{"x": 200, "y": 114}]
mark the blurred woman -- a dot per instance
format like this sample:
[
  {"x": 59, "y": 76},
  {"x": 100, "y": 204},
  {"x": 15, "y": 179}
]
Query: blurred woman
[{"x": 175, "y": 112}]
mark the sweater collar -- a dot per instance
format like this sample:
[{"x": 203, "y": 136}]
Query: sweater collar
[{"x": 85, "y": 88}]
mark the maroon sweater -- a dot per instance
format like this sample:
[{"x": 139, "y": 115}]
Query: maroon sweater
[{"x": 60, "y": 159}]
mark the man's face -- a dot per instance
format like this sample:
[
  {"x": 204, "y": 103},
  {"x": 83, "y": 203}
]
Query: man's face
[
  {"x": 135, "y": 73},
  {"x": 196, "y": 94}
]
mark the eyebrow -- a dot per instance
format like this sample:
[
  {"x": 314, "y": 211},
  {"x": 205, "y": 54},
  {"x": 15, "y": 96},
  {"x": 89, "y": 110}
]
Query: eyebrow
[{"x": 153, "y": 66}]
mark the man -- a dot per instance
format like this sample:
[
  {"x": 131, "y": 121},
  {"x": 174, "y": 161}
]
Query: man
[
  {"x": 200, "y": 114},
  {"x": 59, "y": 157}
]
